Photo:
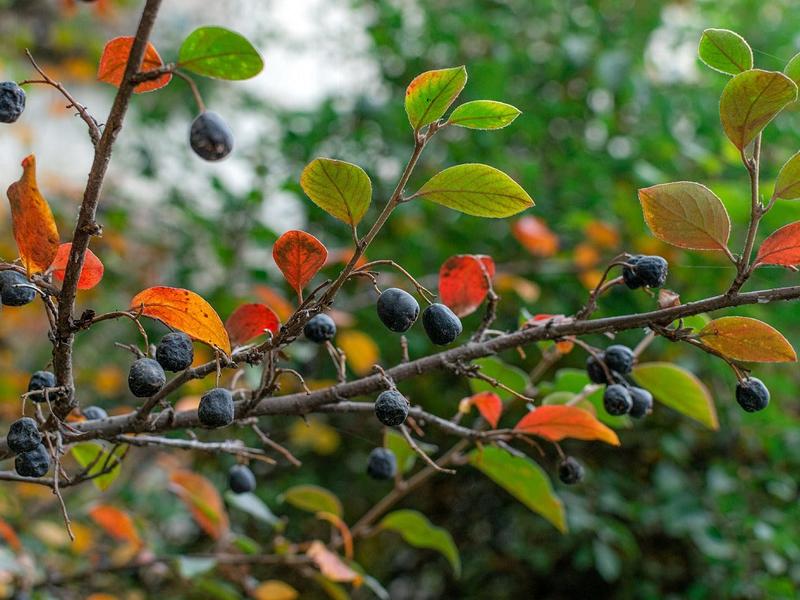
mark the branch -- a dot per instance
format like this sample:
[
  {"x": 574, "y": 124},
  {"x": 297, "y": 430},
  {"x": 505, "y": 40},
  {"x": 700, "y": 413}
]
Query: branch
[{"x": 757, "y": 210}]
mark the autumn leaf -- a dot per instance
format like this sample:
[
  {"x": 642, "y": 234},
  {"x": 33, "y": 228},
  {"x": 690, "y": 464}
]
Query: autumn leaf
[
  {"x": 273, "y": 589},
  {"x": 782, "y": 247},
  {"x": 488, "y": 404},
  {"x": 184, "y": 310},
  {"x": 361, "y": 350},
  {"x": 430, "y": 94},
  {"x": 203, "y": 501},
  {"x": 330, "y": 564},
  {"x": 535, "y": 236},
  {"x": 115, "y": 58},
  {"x": 32, "y": 220},
  {"x": 746, "y": 339},
  {"x": 10, "y": 536},
  {"x": 556, "y": 422},
  {"x": 91, "y": 272},
  {"x": 464, "y": 282},
  {"x": 299, "y": 256},
  {"x": 250, "y": 321},
  {"x": 117, "y": 523}
]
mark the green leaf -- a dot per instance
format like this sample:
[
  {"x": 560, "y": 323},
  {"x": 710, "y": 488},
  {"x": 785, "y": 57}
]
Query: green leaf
[
  {"x": 247, "y": 544},
  {"x": 190, "y": 567},
  {"x": 573, "y": 381},
  {"x": 792, "y": 69},
  {"x": 430, "y": 94},
  {"x": 751, "y": 100},
  {"x": 483, "y": 114},
  {"x": 508, "y": 375},
  {"x": 478, "y": 190},
  {"x": 679, "y": 389},
  {"x": 313, "y": 498},
  {"x": 92, "y": 453},
  {"x": 253, "y": 506},
  {"x": 405, "y": 455},
  {"x": 220, "y": 53},
  {"x": 523, "y": 479},
  {"x": 787, "y": 185},
  {"x": 418, "y": 531},
  {"x": 725, "y": 51},
  {"x": 341, "y": 189}
]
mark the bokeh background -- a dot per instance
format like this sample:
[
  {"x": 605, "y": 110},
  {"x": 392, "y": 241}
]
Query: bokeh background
[{"x": 613, "y": 99}]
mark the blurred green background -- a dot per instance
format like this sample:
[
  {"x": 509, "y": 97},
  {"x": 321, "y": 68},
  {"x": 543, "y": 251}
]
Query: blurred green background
[{"x": 613, "y": 99}]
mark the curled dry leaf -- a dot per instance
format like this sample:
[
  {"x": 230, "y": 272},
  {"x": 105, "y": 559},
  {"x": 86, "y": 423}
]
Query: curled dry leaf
[{"x": 91, "y": 273}]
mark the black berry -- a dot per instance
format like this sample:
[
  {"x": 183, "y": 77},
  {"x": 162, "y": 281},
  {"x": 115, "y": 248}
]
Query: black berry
[
  {"x": 595, "y": 370},
  {"x": 23, "y": 435},
  {"x": 41, "y": 380},
  {"x": 642, "y": 402},
  {"x": 93, "y": 413},
  {"x": 381, "y": 464},
  {"x": 146, "y": 377},
  {"x": 12, "y": 101},
  {"x": 216, "y": 408},
  {"x": 15, "y": 289},
  {"x": 570, "y": 471},
  {"x": 645, "y": 271},
  {"x": 441, "y": 324},
  {"x": 175, "y": 352},
  {"x": 241, "y": 479},
  {"x": 619, "y": 358},
  {"x": 33, "y": 463},
  {"x": 210, "y": 137},
  {"x": 320, "y": 329},
  {"x": 616, "y": 400},
  {"x": 752, "y": 395},
  {"x": 397, "y": 309},
  {"x": 391, "y": 408}
]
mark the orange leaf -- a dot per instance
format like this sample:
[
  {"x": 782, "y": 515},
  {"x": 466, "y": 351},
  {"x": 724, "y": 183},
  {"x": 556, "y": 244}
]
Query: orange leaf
[
  {"x": 489, "y": 405},
  {"x": 743, "y": 338},
  {"x": 249, "y": 321},
  {"x": 556, "y": 422},
  {"x": 91, "y": 273},
  {"x": 277, "y": 301},
  {"x": 535, "y": 236},
  {"x": 35, "y": 229},
  {"x": 115, "y": 58},
  {"x": 10, "y": 536},
  {"x": 333, "y": 567},
  {"x": 272, "y": 589},
  {"x": 203, "y": 501},
  {"x": 186, "y": 311},
  {"x": 299, "y": 256},
  {"x": 117, "y": 523},
  {"x": 463, "y": 282},
  {"x": 782, "y": 247}
]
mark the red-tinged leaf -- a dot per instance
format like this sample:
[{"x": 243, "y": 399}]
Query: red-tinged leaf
[
  {"x": 489, "y": 405},
  {"x": 535, "y": 236},
  {"x": 282, "y": 307},
  {"x": 782, "y": 247},
  {"x": 115, "y": 58},
  {"x": 186, "y": 311},
  {"x": 251, "y": 320},
  {"x": 10, "y": 536},
  {"x": 32, "y": 220},
  {"x": 746, "y": 339},
  {"x": 464, "y": 282},
  {"x": 117, "y": 523},
  {"x": 203, "y": 501},
  {"x": 330, "y": 565},
  {"x": 556, "y": 422},
  {"x": 91, "y": 273},
  {"x": 299, "y": 256}
]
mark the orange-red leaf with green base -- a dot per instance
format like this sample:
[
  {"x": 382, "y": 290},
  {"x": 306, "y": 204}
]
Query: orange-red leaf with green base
[
  {"x": 299, "y": 256},
  {"x": 556, "y": 422}
]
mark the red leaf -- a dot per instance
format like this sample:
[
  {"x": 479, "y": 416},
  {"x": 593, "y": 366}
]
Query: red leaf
[
  {"x": 463, "y": 282},
  {"x": 115, "y": 58},
  {"x": 10, "y": 536},
  {"x": 535, "y": 236},
  {"x": 91, "y": 273},
  {"x": 556, "y": 422},
  {"x": 489, "y": 405},
  {"x": 782, "y": 247},
  {"x": 249, "y": 321},
  {"x": 299, "y": 256}
]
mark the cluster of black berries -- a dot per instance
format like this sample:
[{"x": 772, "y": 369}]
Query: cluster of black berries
[
  {"x": 15, "y": 289},
  {"x": 620, "y": 396},
  {"x": 12, "y": 102},
  {"x": 398, "y": 310},
  {"x": 210, "y": 137},
  {"x": 25, "y": 440},
  {"x": 174, "y": 353},
  {"x": 645, "y": 271}
]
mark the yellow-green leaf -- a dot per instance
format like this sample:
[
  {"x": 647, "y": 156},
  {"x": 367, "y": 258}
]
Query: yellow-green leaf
[
  {"x": 792, "y": 69},
  {"x": 430, "y": 94},
  {"x": 221, "y": 53},
  {"x": 478, "y": 190},
  {"x": 405, "y": 454},
  {"x": 725, "y": 51},
  {"x": 679, "y": 389},
  {"x": 483, "y": 114},
  {"x": 313, "y": 498},
  {"x": 418, "y": 531},
  {"x": 687, "y": 215},
  {"x": 787, "y": 185},
  {"x": 91, "y": 453},
  {"x": 743, "y": 338},
  {"x": 751, "y": 100},
  {"x": 523, "y": 479},
  {"x": 341, "y": 189}
]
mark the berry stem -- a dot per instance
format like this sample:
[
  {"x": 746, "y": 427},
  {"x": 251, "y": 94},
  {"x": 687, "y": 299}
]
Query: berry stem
[{"x": 201, "y": 106}]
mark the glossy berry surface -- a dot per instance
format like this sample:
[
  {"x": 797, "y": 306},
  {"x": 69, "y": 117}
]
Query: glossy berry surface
[
  {"x": 381, "y": 464},
  {"x": 570, "y": 471},
  {"x": 15, "y": 289},
  {"x": 210, "y": 137},
  {"x": 642, "y": 402},
  {"x": 645, "y": 271},
  {"x": 146, "y": 377},
  {"x": 175, "y": 352},
  {"x": 397, "y": 309},
  {"x": 752, "y": 395},
  {"x": 320, "y": 329},
  {"x": 94, "y": 412},
  {"x": 33, "y": 463},
  {"x": 23, "y": 435},
  {"x": 619, "y": 358},
  {"x": 595, "y": 370},
  {"x": 12, "y": 101},
  {"x": 241, "y": 479},
  {"x": 216, "y": 408},
  {"x": 616, "y": 400},
  {"x": 391, "y": 408},
  {"x": 41, "y": 380},
  {"x": 441, "y": 324}
]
